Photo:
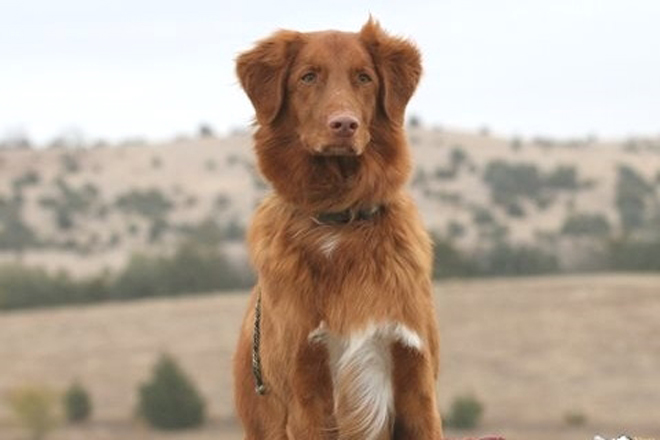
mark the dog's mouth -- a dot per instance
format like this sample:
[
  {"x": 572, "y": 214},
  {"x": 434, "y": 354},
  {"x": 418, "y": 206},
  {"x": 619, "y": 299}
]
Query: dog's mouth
[
  {"x": 335, "y": 146},
  {"x": 338, "y": 150}
]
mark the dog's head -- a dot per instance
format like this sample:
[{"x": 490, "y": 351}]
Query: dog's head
[{"x": 330, "y": 94}]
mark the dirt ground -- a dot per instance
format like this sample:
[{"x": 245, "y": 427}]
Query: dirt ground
[{"x": 531, "y": 350}]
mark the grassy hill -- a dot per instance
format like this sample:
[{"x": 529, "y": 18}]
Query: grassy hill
[{"x": 87, "y": 209}]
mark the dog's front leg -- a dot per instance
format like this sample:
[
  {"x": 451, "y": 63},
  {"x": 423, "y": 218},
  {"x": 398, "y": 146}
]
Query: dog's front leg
[
  {"x": 417, "y": 416},
  {"x": 311, "y": 411}
]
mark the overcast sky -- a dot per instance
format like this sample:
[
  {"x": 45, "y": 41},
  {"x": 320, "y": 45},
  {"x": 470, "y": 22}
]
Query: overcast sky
[{"x": 157, "y": 68}]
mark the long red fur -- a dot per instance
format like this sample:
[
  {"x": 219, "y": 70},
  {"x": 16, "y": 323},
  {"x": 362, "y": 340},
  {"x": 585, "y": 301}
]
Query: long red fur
[{"x": 379, "y": 270}]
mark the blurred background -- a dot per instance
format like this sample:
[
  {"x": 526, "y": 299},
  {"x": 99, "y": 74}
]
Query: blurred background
[{"x": 127, "y": 179}]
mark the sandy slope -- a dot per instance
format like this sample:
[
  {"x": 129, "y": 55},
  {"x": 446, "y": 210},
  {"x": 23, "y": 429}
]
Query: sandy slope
[{"x": 530, "y": 349}]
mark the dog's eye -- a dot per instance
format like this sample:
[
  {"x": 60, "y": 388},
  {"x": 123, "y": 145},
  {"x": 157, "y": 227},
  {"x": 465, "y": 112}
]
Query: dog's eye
[
  {"x": 308, "y": 78},
  {"x": 364, "y": 78}
]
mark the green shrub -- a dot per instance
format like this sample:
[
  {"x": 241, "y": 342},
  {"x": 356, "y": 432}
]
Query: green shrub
[
  {"x": 482, "y": 216},
  {"x": 591, "y": 225},
  {"x": 414, "y": 121},
  {"x": 575, "y": 418},
  {"x": 63, "y": 219},
  {"x": 544, "y": 201},
  {"x": 234, "y": 231},
  {"x": 507, "y": 259},
  {"x": 34, "y": 407},
  {"x": 455, "y": 229},
  {"x": 509, "y": 182},
  {"x": 140, "y": 278},
  {"x": 16, "y": 235},
  {"x": 69, "y": 163},
  {"x": 420, "y": 179},
  {"x": 77, "y": 404},
  {"x": 69, "y": 201},
  {"x": 23, "y": 287},
  {"x": 502, "y": 260},
  {"x": 151, "y": 204},
  {"x": 26, "y": 287},
  {"x": 222, "y": 202},
  {"x": 445, "y": 173},
  {"x": 465, "y": 413},
  {"x": 494, "y": 233},
  {"x": 191, "y": 269},
  {"x": 259, "y": 183},
  {"x": 514, "y": 209},
  {"x": 563, "y": 177},
  {"x": 76, "y": 199},
  {"x": 632, "y": 191},
  {"x": 169, "y": 400},
  {"x": 205, "y": 131},
  {"x": 449, "y": 262},
  {"x": 29, "y": 178},
  {"x": 157, "y": 230},
  {"x": 635, "y": 255},
  {"x": 133, "y": 229},
  {"x": 458, "y": 156}
]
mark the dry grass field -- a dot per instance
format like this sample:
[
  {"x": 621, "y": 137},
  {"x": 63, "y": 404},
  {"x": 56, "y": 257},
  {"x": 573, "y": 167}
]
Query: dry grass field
[{"x": 532, "y": 350}]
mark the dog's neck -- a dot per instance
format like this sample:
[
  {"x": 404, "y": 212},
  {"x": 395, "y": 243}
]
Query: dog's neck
[{"x": 348, "y": 216}]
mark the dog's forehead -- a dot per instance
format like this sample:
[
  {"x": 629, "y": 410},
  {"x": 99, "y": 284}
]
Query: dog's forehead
[{"x": 334, "y": 45}]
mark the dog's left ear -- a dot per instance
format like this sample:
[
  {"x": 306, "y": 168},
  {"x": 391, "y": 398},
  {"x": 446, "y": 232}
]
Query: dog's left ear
[
  {"x": 263, "y": 72},
  {"x": 398, "y": 63}
]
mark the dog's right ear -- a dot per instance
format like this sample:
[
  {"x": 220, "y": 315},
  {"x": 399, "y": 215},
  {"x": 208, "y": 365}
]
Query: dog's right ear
[
  {"x": 263, "y": 72},
  {"x": 399, "y": 66}
]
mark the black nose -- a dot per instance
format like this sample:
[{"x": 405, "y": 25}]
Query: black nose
[{"x": 343, "y": 125}]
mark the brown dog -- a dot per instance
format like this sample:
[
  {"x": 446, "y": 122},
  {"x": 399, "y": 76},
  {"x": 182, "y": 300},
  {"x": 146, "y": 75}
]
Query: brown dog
[{"x": 341, "y": 327}]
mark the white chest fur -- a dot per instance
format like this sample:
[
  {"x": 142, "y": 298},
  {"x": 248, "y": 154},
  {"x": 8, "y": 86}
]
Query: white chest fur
[{"x": 361, "y": 367}]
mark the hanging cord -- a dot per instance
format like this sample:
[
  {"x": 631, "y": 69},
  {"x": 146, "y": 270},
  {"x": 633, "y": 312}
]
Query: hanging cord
[{"x": 260, "y": 388}]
